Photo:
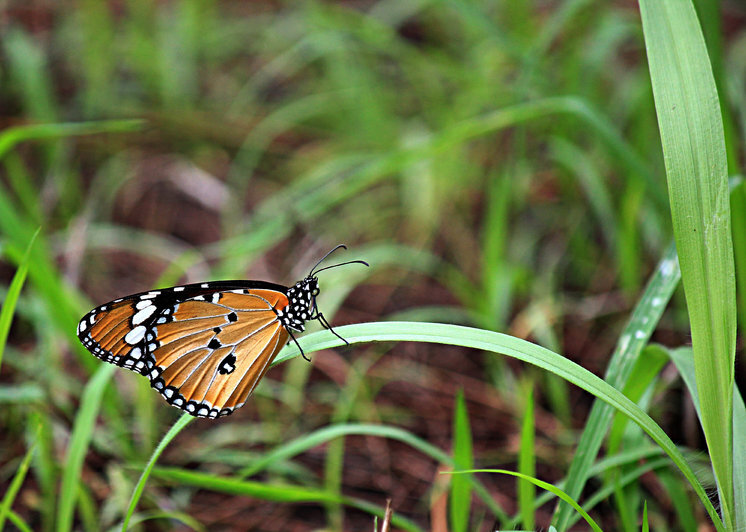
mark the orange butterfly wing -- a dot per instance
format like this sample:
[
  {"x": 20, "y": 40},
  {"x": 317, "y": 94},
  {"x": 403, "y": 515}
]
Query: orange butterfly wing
[
  {"x": 212, "y": 352},
  {"x": 204, "y": 347}
]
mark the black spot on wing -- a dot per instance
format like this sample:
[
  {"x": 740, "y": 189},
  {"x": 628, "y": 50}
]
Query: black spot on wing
[{"x": 227, "y": 365}]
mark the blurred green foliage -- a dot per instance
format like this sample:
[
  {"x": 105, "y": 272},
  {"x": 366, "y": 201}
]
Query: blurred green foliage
[{"x": 499, "y": 165}]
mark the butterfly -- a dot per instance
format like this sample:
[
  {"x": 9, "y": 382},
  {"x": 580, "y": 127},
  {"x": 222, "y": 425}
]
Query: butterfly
[{"x": 205, "y": 346}]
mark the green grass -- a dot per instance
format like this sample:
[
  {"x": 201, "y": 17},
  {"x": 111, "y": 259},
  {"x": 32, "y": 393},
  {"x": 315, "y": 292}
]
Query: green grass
[
  {"x": 515, "y": 173},
  {"x": 696, "y": 166}
]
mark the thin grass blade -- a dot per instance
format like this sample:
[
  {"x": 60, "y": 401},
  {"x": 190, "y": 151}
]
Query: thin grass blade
[
  {"x": 80, "y": 439},
  {"x": 544, "y": 485},
  {"x": 273, "y": 492},
  {"x": 13, "y": 135},
  {"x": 526, "y": 458},
  {"x": 327, "y": 434},
  {"x": 634, "y": 337},
  {"x": 177, "y": 427},
  {"x": 11, "y": 298},
  {"x": 460, "y": 496},
  {"x": 15, "y": 485}
]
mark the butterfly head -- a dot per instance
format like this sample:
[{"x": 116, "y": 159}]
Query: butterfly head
[{"x": 302, "y": 296}]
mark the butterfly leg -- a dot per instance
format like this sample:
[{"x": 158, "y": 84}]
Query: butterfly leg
[
  {"x": 302, "y": 353},
  {"x": 319, "y": 316}
]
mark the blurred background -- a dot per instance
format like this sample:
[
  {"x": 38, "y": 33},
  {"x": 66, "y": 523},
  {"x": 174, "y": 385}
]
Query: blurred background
[{"x": 497, "y": 163}]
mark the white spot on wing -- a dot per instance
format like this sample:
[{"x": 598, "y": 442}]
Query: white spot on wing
[
  {"x": 143, "y": 315},
  {"x": 135, "y": 335}
]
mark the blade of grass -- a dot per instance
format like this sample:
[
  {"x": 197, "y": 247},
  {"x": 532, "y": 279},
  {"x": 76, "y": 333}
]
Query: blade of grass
[
  {"x": 177, "y": 427},
  {"x": 692, "y": 137},
  {"x": 11, "y": 298},
  {"x": 516, "y": 348},
  {"x": 98, "y": 60},
  {"x": 680, "y": 499},
  {"x": 739, "y": 452},
  {"x": 14, "y": 135},
  {"x": 636, "y": 334},
  {"x": 651, "y": 459},
  {"x": 463, "y": 458},
  {"x": 738, "y": 212},
  {"x": 85, "y": 422},
  {"x": 272, "y": 492},
  {"x": 647, "y": 368},
  {"x": 45, "y": 465},
  {"x": 324, "y": 435},
  {"x": 170, "y": 516},
  {"x": 28, "y": 67},
  {"x": 632, "y": 476},
  {"x": 22, "y": 394},
  {"x": 684, "y": 361},
  {"x": 18, "y": 522},
  {"x": 15, "y": 485},
  {"x": 544, "y": 485},
  {"x": 353, "y": 395},
  {"x": 526, "y": 460}
]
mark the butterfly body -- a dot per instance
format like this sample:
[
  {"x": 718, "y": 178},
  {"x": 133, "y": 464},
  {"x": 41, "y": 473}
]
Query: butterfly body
[{"x": 203, "y": 346}]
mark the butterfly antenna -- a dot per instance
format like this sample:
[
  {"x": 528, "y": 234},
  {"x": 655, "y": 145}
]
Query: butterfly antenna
[
  {"x": 325, "y": 256},
  {"x": 342, "y": 264}
]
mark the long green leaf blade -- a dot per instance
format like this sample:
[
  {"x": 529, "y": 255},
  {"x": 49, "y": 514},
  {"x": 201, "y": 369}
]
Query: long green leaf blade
[
  {"x": 694, "y": 152},
  {"x": 518, "y": 349}
]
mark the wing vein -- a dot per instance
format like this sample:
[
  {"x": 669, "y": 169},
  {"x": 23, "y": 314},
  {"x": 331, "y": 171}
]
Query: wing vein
[
  {"x": 248, "y": 368},
  {"x": 212, "y": 351}
]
